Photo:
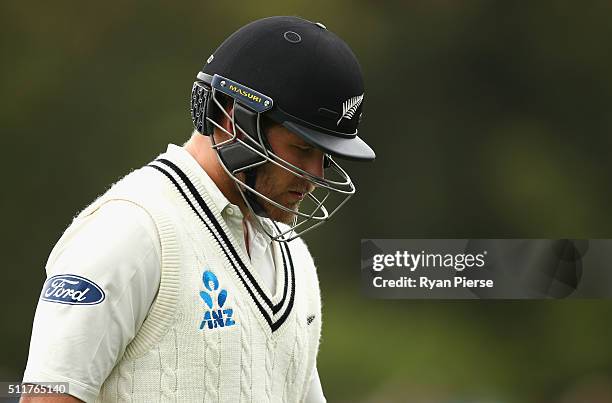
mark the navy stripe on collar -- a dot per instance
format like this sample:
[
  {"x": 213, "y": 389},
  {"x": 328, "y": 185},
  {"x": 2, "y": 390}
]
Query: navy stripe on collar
[
  {"x": 274, "y": 325},
  {"x": 211, "y": 217}
]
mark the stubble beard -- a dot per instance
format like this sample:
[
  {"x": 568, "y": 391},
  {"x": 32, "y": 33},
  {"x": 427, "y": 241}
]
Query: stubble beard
[
  {"x": 279, "y": 215},
  {"x": 275, "y": 213},
  {"x": 265, "y": 186}
]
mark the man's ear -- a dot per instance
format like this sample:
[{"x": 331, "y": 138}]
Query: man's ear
[{"x": 225, "y": 122}]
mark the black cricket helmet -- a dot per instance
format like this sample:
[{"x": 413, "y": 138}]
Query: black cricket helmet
[{"x": 297, "y": 74}]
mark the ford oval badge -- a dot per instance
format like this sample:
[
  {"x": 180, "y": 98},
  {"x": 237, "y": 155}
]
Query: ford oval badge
[{"x": 72, "y": 290}]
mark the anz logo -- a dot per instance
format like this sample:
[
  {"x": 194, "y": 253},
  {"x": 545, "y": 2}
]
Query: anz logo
[{"x": 216, "y": 315}]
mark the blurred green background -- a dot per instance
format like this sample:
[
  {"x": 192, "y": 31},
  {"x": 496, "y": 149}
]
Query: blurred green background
[{"x": 489, "y": 119}]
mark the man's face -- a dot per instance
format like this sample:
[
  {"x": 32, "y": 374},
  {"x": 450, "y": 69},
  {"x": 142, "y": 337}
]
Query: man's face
[{"x": 279, "y": 184}]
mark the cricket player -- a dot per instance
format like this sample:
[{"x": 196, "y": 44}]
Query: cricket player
[{"x": 188, "y": 280}]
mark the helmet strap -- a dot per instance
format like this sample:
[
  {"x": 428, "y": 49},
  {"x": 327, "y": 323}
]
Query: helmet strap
[{"x": 250, "y": 179}]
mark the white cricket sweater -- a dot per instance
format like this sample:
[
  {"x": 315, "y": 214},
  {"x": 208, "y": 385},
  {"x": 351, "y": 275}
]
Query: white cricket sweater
[{"x": 213, "y": 333}]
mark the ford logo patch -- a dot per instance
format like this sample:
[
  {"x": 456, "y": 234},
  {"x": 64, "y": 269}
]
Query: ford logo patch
[{"x": 71, "y": 289}]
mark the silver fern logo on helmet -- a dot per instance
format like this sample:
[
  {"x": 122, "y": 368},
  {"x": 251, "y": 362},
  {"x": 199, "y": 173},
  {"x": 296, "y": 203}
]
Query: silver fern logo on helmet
[{"x": 349, "y": 107}]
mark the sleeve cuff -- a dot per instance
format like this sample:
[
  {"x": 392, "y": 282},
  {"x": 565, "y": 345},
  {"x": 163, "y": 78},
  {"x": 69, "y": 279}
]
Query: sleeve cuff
[{"x": 75, "y": 388}]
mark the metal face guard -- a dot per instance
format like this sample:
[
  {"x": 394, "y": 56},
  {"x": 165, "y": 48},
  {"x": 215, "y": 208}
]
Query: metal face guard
[{"x": 247, "y": 148}]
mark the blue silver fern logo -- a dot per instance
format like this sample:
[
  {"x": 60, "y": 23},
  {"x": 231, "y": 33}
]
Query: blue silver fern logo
[{"x": 215, "y": 316}]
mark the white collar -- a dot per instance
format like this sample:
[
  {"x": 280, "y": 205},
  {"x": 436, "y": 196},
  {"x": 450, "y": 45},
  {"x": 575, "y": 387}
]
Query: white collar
[
  {"x": 211, "y": 188},
  {"x": 221, "y": 202}
]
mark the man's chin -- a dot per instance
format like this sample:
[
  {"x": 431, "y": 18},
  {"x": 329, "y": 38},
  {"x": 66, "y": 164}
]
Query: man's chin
[{"x": 280, "y": 215}]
